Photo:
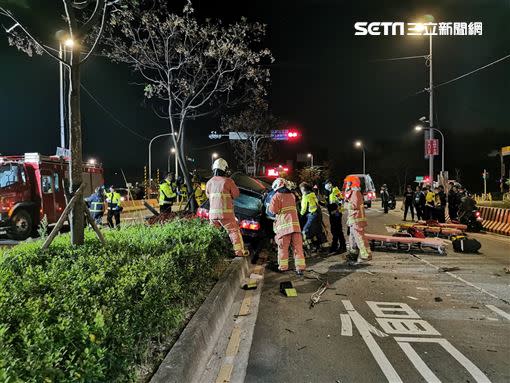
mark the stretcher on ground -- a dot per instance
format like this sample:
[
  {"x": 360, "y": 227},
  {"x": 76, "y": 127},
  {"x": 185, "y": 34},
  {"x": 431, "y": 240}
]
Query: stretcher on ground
[
  {"x": 450, "y": 225},
  {"x": 401, "y": 242},
  {"x": 428, "y": 231}
]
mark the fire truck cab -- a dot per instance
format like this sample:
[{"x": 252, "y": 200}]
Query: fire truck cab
[{"x": 32, "y": 186}]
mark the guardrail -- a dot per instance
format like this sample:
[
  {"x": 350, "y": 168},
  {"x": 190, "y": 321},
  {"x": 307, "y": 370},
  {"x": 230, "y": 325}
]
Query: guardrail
[{"x": 496, "y": 220}]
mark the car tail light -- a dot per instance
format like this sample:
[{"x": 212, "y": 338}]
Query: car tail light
[
  {"x": 477, "y": 214},
  {"x": 203, "y": 213},
  {"x": 250, "y": 225}
]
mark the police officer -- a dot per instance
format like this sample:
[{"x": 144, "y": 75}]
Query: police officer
[
  {"x": 335, "y": 208},
  {"x": 310, "y": 209},
  {"x": 114, "y": 202},
  {"x": 385, "y": 198},
  {"x": 167, "y": 193},
  {"x": 96, "y": 205}
]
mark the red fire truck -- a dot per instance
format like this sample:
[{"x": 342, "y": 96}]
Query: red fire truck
[{"x": 32, "y": 186}]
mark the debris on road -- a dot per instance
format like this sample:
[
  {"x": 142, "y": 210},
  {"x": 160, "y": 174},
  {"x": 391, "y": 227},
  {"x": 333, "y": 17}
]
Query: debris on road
[
  {"x": 287, "y": 289},
  {"x": 506, "y": 270},
  {"x": 316, "y": 296},
  {"x": 438, "y": 299},
  {"x": 446, "y": 269},
  {"x": 300, "y": 348},
  {"x": 289, "y": 330}
]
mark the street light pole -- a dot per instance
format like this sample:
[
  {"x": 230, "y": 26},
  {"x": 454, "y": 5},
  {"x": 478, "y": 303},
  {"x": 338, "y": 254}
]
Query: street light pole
[
  {"x": 150, "y": 152},
  {"x": 364, "y": 163},
  {"x": 431, "y": 111},
  {"x": 62, "y": 114},
  {"x": 310, "y": 155}
]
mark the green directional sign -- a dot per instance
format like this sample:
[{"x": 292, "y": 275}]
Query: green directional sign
[{"x": 418, "y": 179}]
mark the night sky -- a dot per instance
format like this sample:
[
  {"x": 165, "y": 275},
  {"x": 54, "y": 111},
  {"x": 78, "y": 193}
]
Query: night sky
[{"x": 324, "y": 80}]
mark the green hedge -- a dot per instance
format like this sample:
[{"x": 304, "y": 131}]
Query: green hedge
[{"x": 90, "y": 313}]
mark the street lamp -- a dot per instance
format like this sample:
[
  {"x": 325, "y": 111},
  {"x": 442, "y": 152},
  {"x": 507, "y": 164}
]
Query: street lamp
[
  {"x": 91, "y": 162},
  {"x": 310, "y": 156},
  {"x": 419, "y": 128},
  {"x": 359, "y": 145},
  {"x": 213, "y": 157},
  {"x": 174, "y": 152},
  {"x": 150, "y": 151}
]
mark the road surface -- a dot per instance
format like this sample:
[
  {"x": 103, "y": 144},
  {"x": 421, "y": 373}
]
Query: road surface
[{"x": 397, "y": 320}]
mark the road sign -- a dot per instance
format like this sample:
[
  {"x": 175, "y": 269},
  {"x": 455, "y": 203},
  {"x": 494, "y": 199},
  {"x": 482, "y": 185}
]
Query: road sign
[
  {"x": 238, "y": 136},
  {"x": 250, "y": 169},
  {"x": 418, "y": 179},
  {"x": 431, "y": 147},
  {"x": 215, "y": 136},
  {"x": 63, "y": 152}
]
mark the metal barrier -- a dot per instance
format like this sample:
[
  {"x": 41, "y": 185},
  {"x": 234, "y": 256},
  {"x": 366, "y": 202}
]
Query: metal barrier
[{"x": 496, "y": 220}]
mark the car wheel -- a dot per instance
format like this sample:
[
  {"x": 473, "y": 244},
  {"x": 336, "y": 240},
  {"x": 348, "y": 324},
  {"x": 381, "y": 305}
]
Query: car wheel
[{"x": 22, "y": 225}]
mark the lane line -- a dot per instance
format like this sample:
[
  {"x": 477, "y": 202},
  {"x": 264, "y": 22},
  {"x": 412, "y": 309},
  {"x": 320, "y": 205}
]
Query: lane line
[
  {"x": 225, "y": 373},
  {"x": 481, "y": 289},
  {"x": 465, "y": 362},
  {"x": 346, "y": 325},
  {"x": 498, "y": 311},
  {"x": 233, "y": 344},
  {"x": 418, "y": 363}
]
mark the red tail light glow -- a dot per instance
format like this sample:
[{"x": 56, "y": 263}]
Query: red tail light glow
[
  {"x": 250, "y": 225},
  {"x": 477, "y": 214}
]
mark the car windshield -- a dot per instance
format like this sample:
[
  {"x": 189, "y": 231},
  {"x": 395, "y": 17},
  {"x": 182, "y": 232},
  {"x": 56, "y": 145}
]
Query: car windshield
[
  {"x": 248, "y": 202},
  {"x": 8, "y": 175}
]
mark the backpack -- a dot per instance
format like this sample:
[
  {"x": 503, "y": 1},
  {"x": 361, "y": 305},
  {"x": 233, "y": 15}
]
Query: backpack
[{"x": 463, "y": 244}]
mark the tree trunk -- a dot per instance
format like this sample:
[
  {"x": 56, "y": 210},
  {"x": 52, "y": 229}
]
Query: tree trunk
[
  {"x": 184, "y": 166},
  {"x": 77, "y": 217}
]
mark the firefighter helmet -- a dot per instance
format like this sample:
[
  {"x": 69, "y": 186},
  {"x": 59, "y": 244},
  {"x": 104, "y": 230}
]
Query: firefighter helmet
[
  {"x": 352, "y": 182},
  {"x": 279, "y": 183},
  {"x": 220, "y": 164}
]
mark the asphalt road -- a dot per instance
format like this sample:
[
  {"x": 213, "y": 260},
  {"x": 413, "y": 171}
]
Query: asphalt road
[{"x": 437, "y": 328}]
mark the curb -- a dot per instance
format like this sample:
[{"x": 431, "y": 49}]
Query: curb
[{"x": 186, "y": 360}]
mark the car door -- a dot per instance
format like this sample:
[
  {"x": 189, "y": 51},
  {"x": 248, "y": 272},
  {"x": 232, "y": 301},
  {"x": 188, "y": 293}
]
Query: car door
[{"x": 48, "y": 195}]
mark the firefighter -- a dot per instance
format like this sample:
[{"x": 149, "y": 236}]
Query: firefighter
[
  {"x": 199, "y": 193},
  {"x": 356, "y": 221},
  {"x": 221, "y": 192},
  {"x": 114, "y": 202},
  {"x": 96, "y": 205},
  {"x": 311, "y": 210},
  {"x": 335, "y": 208},
  {"x": 286, "y": 227},
  {"x": 167, "y": 193}
]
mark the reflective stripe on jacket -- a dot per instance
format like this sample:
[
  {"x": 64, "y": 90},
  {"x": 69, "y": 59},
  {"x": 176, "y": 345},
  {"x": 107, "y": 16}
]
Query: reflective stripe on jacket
[
  {"x": 283, "y": 205},
  {"x": 96, "y": 206},
  {"x": 114, "y": 200},
  {"x": 221, "y": 192},
  {"x": 166, "y": 193},
  {"x": 337, "y": 197},
  {"x": 356, "y": 209},
  {"x": 309, "y": 203}
]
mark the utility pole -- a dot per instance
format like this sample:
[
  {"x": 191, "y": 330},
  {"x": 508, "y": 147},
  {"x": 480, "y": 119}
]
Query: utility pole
[
  {"x": 484, "y": 183},
  {"x": 431, "y": 111}
]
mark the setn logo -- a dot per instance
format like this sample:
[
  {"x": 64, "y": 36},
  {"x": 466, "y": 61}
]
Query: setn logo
[{"x": 364, "y": 28}]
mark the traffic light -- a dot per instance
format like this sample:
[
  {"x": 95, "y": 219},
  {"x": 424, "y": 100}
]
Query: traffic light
[{"x": 426, "y": 179}]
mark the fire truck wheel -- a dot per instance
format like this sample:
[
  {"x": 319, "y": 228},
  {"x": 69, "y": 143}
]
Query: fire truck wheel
[{"x": 22, "y": 224}]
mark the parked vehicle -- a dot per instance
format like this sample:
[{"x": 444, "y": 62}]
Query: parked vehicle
[
  {"x": 473, "y": 220},
  {"x": 249, "y": 210},
  {"x": 32, "y": 186},
  {"x": 367, "y": 188},
  {"x": 392, "y": 202}
]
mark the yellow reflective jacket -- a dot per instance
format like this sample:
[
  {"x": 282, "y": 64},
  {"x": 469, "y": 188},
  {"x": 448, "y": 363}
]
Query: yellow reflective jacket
[
  {"x": 114, "y": 200},
  {"x": 309, "y": 203},
  {"x": 166, "y": 193}
]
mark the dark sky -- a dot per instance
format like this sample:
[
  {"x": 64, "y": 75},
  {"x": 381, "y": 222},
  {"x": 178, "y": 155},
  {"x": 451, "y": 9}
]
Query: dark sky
[{"x": 324, "y": 80}]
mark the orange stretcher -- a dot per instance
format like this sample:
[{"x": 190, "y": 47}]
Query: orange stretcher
[
  {"x": 450, "y": 225},
  {"x": 405, "y": 243}
]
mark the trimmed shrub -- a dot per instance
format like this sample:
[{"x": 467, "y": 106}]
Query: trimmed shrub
[{"x": 90, "y": 313}]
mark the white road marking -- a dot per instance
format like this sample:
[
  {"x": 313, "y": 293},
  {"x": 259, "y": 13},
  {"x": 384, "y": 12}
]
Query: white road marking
[
  {"x": 499, "y": 311},
  {"x": 407, "y": 326},
  {"x": 372, "y": 345},
  {"x": 392, "y": 310},
  {"x": 348, "y": 305},
  {"x": 462, "y": 280},
  {"x": 465, "y": 362},
  {"x": 346, "y": 325},
  {"x": 418, "y": 363}
]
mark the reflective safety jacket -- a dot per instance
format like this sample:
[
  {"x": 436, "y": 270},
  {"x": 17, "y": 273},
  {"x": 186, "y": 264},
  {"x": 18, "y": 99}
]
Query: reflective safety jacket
[
  {"x": 283, "y": 205},
  {"x": 96, "y": 203},
  {"x": 221, "y": 192},
  {"x": 166, "y": 193},
  {"x": 113, "y": 199},
  {"x": 309, "y": 203},
  {"x": 430, "y": 198},
  {"x": 356, "y": 209},
  {"x": 200, "y": 196},
  {"x": 336, "y": 197}
]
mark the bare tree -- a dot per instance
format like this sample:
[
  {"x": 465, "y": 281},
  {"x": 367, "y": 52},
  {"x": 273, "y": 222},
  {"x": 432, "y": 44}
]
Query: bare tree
[
  {"x": 257, "y": 122},
  {"x": 80, "y": 21},
  {"x": 187, "y": 68}
]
